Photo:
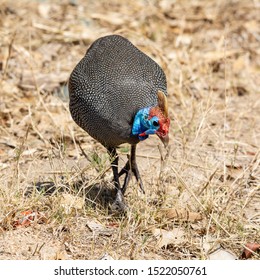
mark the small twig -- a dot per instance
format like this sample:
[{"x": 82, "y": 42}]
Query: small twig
[
  {"x": 82, "y": 150},
  {"x": 9, "y": 55},
  {"x": 208, "y": 182},
  {"x": 164, "y": 160},
  {"x": 36, "y": 250}
]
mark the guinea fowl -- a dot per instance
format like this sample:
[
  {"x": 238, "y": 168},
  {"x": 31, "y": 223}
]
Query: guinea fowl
[{"x": 118, "y": 95}]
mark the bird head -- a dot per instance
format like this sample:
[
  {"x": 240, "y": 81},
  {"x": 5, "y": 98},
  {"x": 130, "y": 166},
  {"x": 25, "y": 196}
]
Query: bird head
[{"x": 153, "y": 120}]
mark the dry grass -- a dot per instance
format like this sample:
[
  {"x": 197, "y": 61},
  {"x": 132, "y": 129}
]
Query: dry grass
[{"x": 210, "y": 52}]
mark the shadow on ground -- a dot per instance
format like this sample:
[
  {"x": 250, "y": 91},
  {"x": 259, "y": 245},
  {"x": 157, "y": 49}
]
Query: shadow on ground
[{"x": 99, "y": 195}]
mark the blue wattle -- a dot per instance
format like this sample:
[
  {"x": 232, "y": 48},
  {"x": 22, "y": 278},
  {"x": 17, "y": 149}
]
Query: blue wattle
[{"x": 143, "y": 125}]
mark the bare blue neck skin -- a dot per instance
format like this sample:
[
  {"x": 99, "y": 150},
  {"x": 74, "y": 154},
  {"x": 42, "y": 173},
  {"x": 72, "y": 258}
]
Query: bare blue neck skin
[{"x": 143, "y": 126}]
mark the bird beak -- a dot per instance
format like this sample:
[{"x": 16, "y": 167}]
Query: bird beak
[{"x": 165, "y": 139}]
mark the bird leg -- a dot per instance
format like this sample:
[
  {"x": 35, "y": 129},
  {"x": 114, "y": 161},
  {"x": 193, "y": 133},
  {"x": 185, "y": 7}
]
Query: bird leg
[
  {"x": 119, "y": 203},
  {"x": 129, "y": 168},
  {"x": 114, "y": 165}
]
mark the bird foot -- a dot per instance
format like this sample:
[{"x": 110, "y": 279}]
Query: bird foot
[
  {"x": 129, "y": 171},
  {"x": 119, "y": 204}
]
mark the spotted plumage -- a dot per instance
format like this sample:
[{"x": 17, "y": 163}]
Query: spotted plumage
[{"x": 109, "y": 86}]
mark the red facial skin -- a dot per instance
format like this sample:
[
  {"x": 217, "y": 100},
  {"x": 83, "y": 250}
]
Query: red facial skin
[{"x": 164, "y": 122}]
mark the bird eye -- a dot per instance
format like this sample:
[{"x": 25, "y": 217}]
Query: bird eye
[
  {"x": 145, "y": 117},
  {"x": 155, "y": 123}
]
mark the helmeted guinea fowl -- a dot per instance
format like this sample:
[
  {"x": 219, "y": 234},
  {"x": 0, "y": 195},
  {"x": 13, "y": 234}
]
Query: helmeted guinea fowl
[{"x": 118, "y": 95}]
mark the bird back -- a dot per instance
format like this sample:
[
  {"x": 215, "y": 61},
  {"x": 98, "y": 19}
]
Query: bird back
[{"x": 109, "y": 85}]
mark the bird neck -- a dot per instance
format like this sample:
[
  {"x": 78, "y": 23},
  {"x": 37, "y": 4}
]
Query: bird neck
[{"x": 143, "y": 124}]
